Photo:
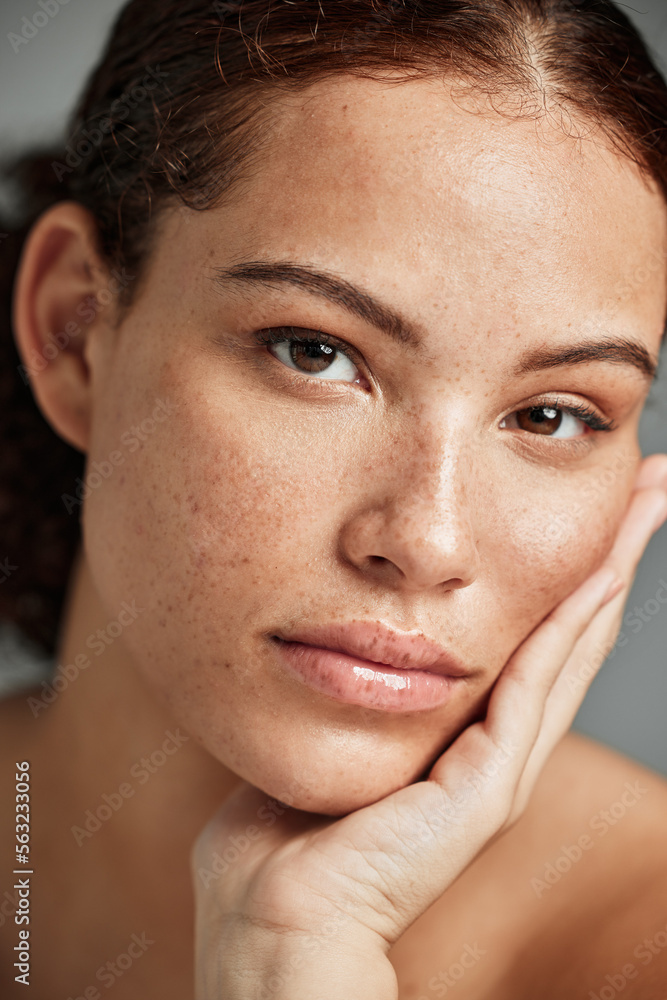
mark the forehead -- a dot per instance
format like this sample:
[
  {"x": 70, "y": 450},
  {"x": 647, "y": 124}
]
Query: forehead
[{"x": 409, "y": 183}]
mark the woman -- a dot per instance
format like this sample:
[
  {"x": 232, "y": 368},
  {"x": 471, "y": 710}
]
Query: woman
[{"x": 352, "y": 309}]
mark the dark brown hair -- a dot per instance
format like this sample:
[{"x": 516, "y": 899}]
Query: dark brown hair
[{"x": 179, "y": 111}]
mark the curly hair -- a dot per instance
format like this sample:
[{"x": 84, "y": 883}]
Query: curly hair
[{"x": 179, "y": 109}]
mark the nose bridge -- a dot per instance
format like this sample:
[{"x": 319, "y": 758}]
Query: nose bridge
[
  {"x": 434, "y": 478},
  {"x": 421, "y": 519}
]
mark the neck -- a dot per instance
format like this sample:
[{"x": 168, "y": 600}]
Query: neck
[{"x": 119, "y": 793}]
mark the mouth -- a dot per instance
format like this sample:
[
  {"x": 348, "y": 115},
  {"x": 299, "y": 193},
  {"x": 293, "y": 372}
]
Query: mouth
[{"x": 371, "y": 665}]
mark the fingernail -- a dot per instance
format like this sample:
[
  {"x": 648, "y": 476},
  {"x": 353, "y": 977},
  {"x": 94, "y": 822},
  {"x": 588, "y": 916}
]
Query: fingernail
[{"x": 661, "y": 514}]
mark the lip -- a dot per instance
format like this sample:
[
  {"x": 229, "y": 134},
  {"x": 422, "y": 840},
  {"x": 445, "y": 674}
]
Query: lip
[{"x": 371, "y": 664}]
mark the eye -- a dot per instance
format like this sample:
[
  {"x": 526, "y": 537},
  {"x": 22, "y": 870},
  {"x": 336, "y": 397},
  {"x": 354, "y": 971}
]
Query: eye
[
  {"x": 318, "y": 356},
  {"x": 557, "y": 421}
]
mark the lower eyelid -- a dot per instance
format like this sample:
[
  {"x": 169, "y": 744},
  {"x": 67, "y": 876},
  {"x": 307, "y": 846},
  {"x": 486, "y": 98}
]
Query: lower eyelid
[{"x": 357, "y": 360}]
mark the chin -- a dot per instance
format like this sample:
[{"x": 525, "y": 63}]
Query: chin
[
  {"x": 341, "y": 787},
  {"x": 335, "y": 803}
]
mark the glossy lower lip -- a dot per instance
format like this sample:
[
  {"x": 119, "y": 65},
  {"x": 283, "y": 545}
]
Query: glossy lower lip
[{"x": 355, "y": 681}]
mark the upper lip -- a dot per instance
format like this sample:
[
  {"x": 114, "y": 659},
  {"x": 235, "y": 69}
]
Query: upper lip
[{"x": 380, "y": 643}]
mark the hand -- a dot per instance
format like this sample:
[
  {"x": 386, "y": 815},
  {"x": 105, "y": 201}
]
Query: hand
[{"x": 311, "y": 909}]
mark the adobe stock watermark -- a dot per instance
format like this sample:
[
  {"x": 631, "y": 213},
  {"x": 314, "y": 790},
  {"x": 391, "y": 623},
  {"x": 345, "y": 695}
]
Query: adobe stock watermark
[
  {"x": 563, "y": 522},
  {"x": 141, "y": 772},
  {"x": 9, "y": 905},
  {"x": 92, "y": 135},
  {"x": 87, "y": 310},
  {"x": 362, "y": 37},
  {"x": 241, "y": 843},
  {"x": 634, "y": 620},
  {"x": 108, "y": 974},
  {"x": 422, "y": 832},
  {"x": 645, "y": 952},
  {"x": 644, "y": 614},
  {"x": 226, "y": 172},
  {"x": 311, "y": 945},
  {"x": 238, "y": 845},
  {"x": 224, "y": 11},
  {"x": 6, "y": 570},
  {"x": 132, "y": 439},
  {"x": 31, "y": 26},
  {"x": 655, "y": 262},
  {"x": 600, "y": 824},
  {"x": 449, "y": 978},
  {"x": 97, "y": 642}
]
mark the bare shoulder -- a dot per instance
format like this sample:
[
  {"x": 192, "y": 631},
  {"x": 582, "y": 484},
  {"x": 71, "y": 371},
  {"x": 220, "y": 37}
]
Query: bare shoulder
[
  {"x": 570, "y": 903},
  {"x": 617, "y": 802},
  {"x": 601, "y": 819}
]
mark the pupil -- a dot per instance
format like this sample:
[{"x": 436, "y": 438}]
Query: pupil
[
  {"x": 314, "y": 350},
  {"x": 312, "y": 357},
  {"x": 542, "y": 413},
  {"x": 540, "y": 419}
]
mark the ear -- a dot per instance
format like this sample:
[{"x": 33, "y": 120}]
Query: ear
[{"x": 56, "y": 310}]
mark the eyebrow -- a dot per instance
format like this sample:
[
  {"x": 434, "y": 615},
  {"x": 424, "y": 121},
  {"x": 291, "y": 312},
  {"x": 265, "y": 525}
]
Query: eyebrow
[
  {"x": 328, "y": 286},
  {"x": 325, "y": 284},
  {"x": 611, "y": 350}
]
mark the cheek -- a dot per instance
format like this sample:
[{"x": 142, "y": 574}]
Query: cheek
[
  {"x": 553, "y": 536},
  {"x": 218, "y": 520},
  {"x": 223, "y": 525},
  {"x": 222, "y": 520}
]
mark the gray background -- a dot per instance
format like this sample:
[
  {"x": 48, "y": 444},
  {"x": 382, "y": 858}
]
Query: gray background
[{"x": 39, "y": 83}]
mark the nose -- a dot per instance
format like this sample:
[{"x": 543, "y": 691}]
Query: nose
[{"x": 419, "y": 533}]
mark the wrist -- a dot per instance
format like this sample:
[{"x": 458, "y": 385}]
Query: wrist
[{"x": 290, "y": 965}]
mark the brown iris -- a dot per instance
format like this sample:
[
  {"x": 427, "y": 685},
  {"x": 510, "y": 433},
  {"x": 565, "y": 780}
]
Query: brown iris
[
  {"x": 312, "y": 357},
  {"x": 540, "y": 419}
]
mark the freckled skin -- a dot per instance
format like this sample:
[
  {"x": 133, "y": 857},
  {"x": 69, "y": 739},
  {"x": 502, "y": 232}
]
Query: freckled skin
[{"x": 260, "y": 504}]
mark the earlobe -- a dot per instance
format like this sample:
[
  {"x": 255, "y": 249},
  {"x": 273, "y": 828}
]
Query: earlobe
[{"x": 56, "y": 309}]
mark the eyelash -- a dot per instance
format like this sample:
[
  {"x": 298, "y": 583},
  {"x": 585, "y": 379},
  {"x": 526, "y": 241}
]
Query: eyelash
[
  {"x": 586, "y": 414},
  {"x": 278, "y": 335}
]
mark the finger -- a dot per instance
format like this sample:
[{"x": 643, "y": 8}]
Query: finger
[
  {"x": 404, "y": 851},
  {"x": 473, "y": 800},
  {"x": 420, "y": 838},
  {"x": 652, "y": 473},
  {"x": 517, "y": 702},
  {"x": 515, "y": 718},
  {"x": 647, "y": 511},
  {"x": 596, "y": 642},
  {"x": 536, "y": 695}
]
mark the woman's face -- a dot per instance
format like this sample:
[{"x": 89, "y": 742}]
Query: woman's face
[{"x": 433, "y": 480}]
